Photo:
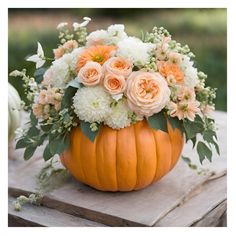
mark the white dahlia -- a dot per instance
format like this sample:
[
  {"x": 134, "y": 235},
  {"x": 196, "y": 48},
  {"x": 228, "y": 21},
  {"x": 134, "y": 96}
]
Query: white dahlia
[
  {"x": 74, "y": 57},
  {"x": 60, "y": 71},
  {"x": 98, "y": 37},
  {"x": 119, "y": 118},
  {"x": 92, "y": 104},
  {"x": 116, "y": 33},
  {"x": 190, "y": 72},
  {"x": 135, "y": 50}
]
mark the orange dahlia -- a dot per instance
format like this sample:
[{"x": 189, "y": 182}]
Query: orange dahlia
[
  {"x": 98, "y": 53},
  {"x": 171, "y": 69}
]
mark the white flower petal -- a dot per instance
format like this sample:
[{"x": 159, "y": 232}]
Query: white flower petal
[
  {"x": 40, "y": 63},
  {"x": 33, "y": 58},
  {"x": 40, "y": 52}
]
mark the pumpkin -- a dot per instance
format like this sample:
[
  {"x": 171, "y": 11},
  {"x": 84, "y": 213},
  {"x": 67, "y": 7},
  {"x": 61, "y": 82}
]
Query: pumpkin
[
  {"x": 123, "y": 160},
  {"x": 14, "y": 116}
]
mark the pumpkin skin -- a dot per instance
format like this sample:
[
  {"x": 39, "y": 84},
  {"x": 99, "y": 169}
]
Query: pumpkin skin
[{"x": 123, "y": 160}]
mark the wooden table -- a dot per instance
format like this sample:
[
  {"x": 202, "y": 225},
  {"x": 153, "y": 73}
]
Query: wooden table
[{"x": 181, "y": 198}]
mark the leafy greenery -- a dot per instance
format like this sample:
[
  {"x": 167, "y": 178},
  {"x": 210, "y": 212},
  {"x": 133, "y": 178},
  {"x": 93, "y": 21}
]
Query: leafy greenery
[
  {"x": 86, "y": 129},
  {"x": 158, "y": 121}
]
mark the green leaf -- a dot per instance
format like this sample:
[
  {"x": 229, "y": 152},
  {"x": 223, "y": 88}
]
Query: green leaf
[
  {"x": 208, "y": 136},
  {"x": 186, "y": 159},
  {"x": 59, "y": 145},
  {"x": 33, "y": 131},
  {"x": 194, "y": 140},
  {"x": 203, "y": 151},
  {"x": 46, "y": 153},
  {"x": 85, "y": 128},
  {"x": 22, "y": 143},
  {"x": 67, "y": 98},
  {"x": 176, "y": 123},
  {"x": 29, "y": 152},
  {"x": 46, "y": 128},
  {"x": 33, "y": 119},
  {"x": 75, "y": 84},
  {"x": 39, "y": 73},
  {"x": 158, "y": 121},
  {"x": 193, "y": 128}
]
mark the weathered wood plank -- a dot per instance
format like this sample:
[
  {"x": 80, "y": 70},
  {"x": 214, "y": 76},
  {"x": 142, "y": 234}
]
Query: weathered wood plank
[
  {"x": 195, "y": 211},
  {"x": 139, "y": 208},
  {"x": 45, "y": 217}
]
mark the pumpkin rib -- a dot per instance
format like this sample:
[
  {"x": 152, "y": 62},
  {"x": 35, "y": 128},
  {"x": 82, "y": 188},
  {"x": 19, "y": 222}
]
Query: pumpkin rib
[
  {"x": 136, "y": 156},
  {"x": 96, "y": 152},
  {"x": 153, "y": 133},
  {"x": 79, "y": 156},
  {"x": 126, "y": 159}
]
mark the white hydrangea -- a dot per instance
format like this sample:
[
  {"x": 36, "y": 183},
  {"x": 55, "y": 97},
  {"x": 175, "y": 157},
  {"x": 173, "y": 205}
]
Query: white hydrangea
[
  {"x": 97, "y": 37},
  {"x": 92, "y": 104},
  {"x": 116, "y": 33},
  {"x": 113, "y": 35},
  {"x": 119, "y": 117},
  {"x": 135, "y": 50},
  {"x": 61, "y": 71},
  {"x": 74, "y": 58},
  {"x": 190, "y": 72}
]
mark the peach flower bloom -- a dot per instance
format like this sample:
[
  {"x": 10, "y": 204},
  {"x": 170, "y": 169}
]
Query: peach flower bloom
[
  {"x": 91, "y": 74},
  {"x": 98, "y": 53},
  {"x": 43, "y": 97},
  {"x": 168, "y": 69},
  {"x": 37, "y": 110},
  {"x": 58, "y": 52},
  {"x": 175, "y": 57},
  {"x": 66, "y": 47},
  {"x": 184, "y": 110},
  {"x": 114, "y": 84},
  {"x": 118, "y": 66},
  {"x": 70, "y": 45},
  {"x": 147, "y": 93},
  {"x": 47, "y": 77},
  {"x": 186, "y": 94}
]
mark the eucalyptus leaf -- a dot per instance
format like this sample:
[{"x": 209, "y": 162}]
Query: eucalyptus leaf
[
  {"x": 29, "y": 152},
  {"x": 33, "y": 131},
  {"x": 203, "y": 151},
  {"x": 47, "y": 154},
  {"x": 85, "y": 128},
  {"x": 158, "y": 121},
  {"x": 59, "y": 145},
  {"x": 33, "y": 119},
  {"x": 22, "y": 143}
]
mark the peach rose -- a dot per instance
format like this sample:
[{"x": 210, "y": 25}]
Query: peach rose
[
  {"x": 168, "y": 69},
  {"x": 114, "y": 84},
  {"x": 118, "y": 66},
  {"x": 147, "y": 93},
  {"x": 91, "y": 74}
]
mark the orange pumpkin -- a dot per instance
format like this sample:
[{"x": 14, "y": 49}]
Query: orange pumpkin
[{"x": 123, "y": 160}]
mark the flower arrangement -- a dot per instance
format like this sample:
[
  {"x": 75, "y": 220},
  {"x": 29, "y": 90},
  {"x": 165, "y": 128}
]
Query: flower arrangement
[{"x": 112, "y": 79}]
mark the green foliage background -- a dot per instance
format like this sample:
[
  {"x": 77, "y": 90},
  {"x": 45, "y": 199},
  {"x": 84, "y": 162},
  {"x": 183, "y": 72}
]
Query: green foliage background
[{"x": 204, "y": 30}]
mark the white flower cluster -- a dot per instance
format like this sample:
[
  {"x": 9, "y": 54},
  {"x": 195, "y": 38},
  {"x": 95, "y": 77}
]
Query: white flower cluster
[
  {"x": 135, "y": 50},
  {"x": 122, "y": 75}
]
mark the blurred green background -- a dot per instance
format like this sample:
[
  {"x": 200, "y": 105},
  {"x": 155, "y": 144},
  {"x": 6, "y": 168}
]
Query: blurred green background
[{"x": 204, "y": 30}]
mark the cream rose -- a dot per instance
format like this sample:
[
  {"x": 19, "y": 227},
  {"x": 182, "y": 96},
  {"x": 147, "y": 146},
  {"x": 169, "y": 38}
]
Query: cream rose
[
  {"x": 91, "y": 74},
  {"x": 114, "y": 84},
  {"x": 118, "y": 66},
  {"x": 147, "y": 93}
]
